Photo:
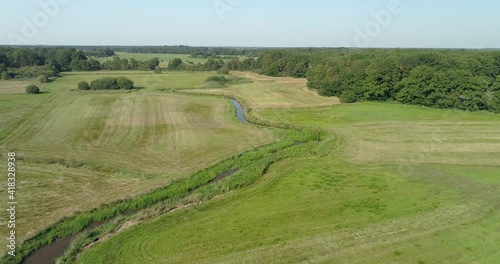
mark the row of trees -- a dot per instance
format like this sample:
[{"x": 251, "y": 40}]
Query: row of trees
[
  {"x": 108, "y": 83},
  {"x": 118, "y": 63},
  {"x": 463, "y": 79},
  {"x": 205, "y": 52},
  {"x": 247, "y": 64},
  {"x": 34, "y": 61}
]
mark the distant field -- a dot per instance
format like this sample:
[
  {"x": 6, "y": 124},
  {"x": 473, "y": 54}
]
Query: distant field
[
  {"x": 269, "y": 92},
  {"x": 399, "y": 184},
  {"x": 78, "y": 150},
  {"x": 143, "y": 79},
  {"x": 389, "y": 133},
  {"x": 164, "y": 58},
  {"x": 15, "y": 86}
]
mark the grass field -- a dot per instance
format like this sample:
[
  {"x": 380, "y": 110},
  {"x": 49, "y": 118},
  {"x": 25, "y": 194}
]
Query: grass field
[
  {"x": 268, "y": 92},
  {"x": 15, "y": 86},
  {"x": 164, "y": 58},
  {"x": 400, "y": 184},
  {"x": 388, "y": 183},
  {"x": 77, "y": 150}
]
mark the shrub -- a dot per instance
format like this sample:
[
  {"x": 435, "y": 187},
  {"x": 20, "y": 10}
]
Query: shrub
[
  {"x": 5, "y": 75},
  {"x": 218, "y": 79},
  {"x": 223, "y": 70},
  {"x": 105, "y": 84},
  {"x": 125, "y": 83},
  {"x": 158, "y": 70},
  {"x": 174, "y": 64},
  {"x": 43, "y": 79},
  {"x": 109, "y": 83},
  {"x": 32, "y": 89},
  {"x": 84, "y": 86},
  {"x": 348, "y": 97}
]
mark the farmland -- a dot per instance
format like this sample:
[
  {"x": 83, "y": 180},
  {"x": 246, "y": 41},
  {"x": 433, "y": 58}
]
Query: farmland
[
  {"x": 388, "y": 184},
  {"x": 77, "y": 150},
  {"x": 268, "y": 92}
]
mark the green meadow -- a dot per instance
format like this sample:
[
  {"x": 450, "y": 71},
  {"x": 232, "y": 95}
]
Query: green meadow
[
  {"x": 77, "y": 150},
  {"x": 387, "y": 183},
  {"x": 384, "y": 183}
]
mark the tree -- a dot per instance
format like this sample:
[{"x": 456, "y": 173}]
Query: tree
[
  {"x": 125, "y": 83},
  {"x": 381, "y": 79},
  {"x": 105, "y": 84},
  {"x": 223, "y": 70},
  {"x": 32, "y": 89},
  {"x": 174, "y": 64},
  {"x": 153, "y": 63},
  {"x": 417, "y": 87},
  {"x": 84, "y": 86},
  {"x": 43, "y": 79},
  {"x": 495, "y": 103},
  {"x": 134, "y": 64},
  {"x": 348, "y": 97},
  {"x": 5, "y": 75}
]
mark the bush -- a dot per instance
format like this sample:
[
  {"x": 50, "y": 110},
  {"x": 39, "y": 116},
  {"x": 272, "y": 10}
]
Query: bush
[
  {"x": 174, "y": 64},
  {"x": 158, "y": 70},
  {"x": 348, "y": 97},
  {"x": 104, "y": 84},
  {"x": 112, "y": 84},
  {"x": 84, "y": 86},
  {"x": 5, "y": 76},
  {"x": 223, "y": 70},
  {"x": 32, "y": 89},
  {"x": 43, "y": 79},
  {"x": 125, "y": 83},
  {"x": 218, "y": 79}
]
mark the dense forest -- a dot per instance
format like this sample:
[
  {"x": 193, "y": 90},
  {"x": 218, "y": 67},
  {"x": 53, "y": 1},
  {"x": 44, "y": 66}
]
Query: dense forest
[
  {"x": 43, "y": 61},
  {"x": 195, "y": 52},
  {"x": 462, "y": 79}
]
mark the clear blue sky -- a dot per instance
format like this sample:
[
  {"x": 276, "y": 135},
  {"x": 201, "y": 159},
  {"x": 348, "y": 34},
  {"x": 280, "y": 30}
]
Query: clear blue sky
[{"x": 262, "y": 23}]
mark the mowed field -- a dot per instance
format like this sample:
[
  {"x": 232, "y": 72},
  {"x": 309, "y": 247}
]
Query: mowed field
[
  {"x": 15, "y": 87},
  {"x": 268, "y": 92},
  {"x": 398, "y": 184},
  {"x": 164, "y": 58},
  {"x": 77, "y": 150}
]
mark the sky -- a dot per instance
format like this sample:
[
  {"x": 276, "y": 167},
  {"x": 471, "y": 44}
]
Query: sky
[{"x": 253, "y": 23}]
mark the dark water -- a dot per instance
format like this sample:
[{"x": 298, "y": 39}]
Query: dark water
[
  {"x": 240, "y": 114},
  {"x": 48, "y": 254},
  {"x": 224, "y": 175}
]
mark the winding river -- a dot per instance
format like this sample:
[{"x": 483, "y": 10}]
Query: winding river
[
  {"x": 240, "y": 114},
  {"x": 49, "y": 253}
]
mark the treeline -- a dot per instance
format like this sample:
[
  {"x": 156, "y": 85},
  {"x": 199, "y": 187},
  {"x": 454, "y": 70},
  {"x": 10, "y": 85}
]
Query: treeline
[
  {"x": 118, "y": 63},
  {"x": 206, "y": 52},
  {"x": 98, "y": 52},
  {"x": 32, "y": 62},
  {"x": 462, "y": 79},
  {"x": 28, "y": 62},
  {"x": 107, "y": 83},
  {"x": 223, "y": 67}
]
